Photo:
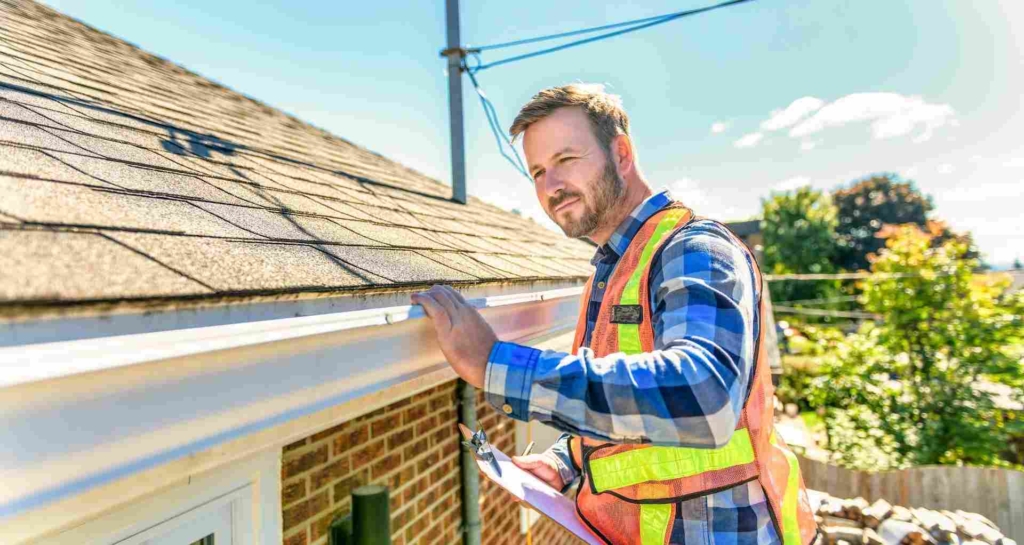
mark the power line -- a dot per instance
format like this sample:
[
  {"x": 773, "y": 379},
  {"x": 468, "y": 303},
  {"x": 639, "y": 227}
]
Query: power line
[
  {"x": 564, "y": 34},
  {"x": 640, "y": 24},
  {"x": 512, "y": 155},
  {"x": 499, "y": 134}
]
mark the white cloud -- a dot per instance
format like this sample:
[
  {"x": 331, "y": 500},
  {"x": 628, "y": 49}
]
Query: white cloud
[
  {"x": 789, "y": 184},
  {"x": 704, "y": 203},
  {"x": 719, "y": 127},
  {"x": 808, "y": 145},
  {"x": 1016, "y": 162},
  {"x": 749, "y": 140},
  {"x": 910, "y": 172},
  {"x": 797, "y": 110},
  {"x": 890, "y": 114},
  {"x": 945, "y": 168}
]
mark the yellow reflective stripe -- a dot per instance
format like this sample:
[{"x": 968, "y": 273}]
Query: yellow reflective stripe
[
  {"x": 654, "y": 519},
  {"x": 790, "y": 525},
  {"x": 629, "y": 334},
  {"x": 665, "y": 463}
]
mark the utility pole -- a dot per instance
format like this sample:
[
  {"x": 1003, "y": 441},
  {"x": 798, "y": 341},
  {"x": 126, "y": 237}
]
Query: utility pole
[{"x": 455, "y": 54}]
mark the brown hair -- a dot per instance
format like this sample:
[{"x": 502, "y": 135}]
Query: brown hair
[{"x": 604, "y": 110}]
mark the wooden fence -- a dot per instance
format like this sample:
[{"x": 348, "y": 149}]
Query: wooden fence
[{"x": 998, "y": 494}]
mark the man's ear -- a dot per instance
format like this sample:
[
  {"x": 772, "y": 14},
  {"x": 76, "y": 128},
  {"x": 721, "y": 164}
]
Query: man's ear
[{"x": 622, "y": 154}]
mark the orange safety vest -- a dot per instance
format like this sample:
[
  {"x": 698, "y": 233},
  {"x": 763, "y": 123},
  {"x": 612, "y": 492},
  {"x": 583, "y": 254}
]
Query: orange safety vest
[{"x": 629, "y": 492}]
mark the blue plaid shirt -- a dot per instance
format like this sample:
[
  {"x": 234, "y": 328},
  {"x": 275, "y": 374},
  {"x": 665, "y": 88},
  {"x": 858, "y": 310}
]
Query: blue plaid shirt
[{"x": 688, "y": 392}]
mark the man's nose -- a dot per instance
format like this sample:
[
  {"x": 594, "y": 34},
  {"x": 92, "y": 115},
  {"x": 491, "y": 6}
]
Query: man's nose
[{"x": 553, "y": 183}]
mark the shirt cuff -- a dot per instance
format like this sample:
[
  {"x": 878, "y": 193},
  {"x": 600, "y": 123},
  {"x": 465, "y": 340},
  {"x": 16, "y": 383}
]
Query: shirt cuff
[{"x": 509, "y": 378}]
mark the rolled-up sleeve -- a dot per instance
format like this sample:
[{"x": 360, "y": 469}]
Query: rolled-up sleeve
[{"x": 689, "y": 391}]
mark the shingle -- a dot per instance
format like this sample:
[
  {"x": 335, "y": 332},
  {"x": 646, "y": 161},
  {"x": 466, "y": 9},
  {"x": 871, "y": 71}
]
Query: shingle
[
  {"x": 242, "y": 266},
  {"x": 390, "y": 236},
  {"x": 115, "y": 150},
  {"x": 142, "y": 179},
  {"x": 302, "y": 203},
  {"x": 398, "y": 265},
  {"x": 44, "y": 265},
  {"x": 504, "y": 265},
  {"x": 30, "y": 135},
  {"x": 35, "y": 163},
  {"x": 278, "y": 226},
  {"x": 164, "y": 131},
  {"x": 466, "y": 264},
  {"x": 13, "y": 110},
  {"x": 51, "y": 202}
]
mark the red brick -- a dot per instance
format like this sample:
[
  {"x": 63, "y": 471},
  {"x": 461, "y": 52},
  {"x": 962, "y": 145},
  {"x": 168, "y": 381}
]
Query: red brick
[
  {"x": 297, "y": 539},
  {"x": 415, "y": 489},
  {"x": 415, "y": 413},
  {"x": 439, "y": 403},
  {"x": 385, "y": 425},
  {"x": 417, "y": 448},
  {"x": 306, "y": 461},
  {"x": 400, "y": 438},
  {"x": 424, "y": 465},
  {"x": 331, "y": 472},
  {"x": 400, "y": 518},
  {"x": 426, "y": 426},
  {"x": 293, "y": 491},
  {"x": 416, "y": 528},
  {"x": 433, "y": 533},
  {"x": 404, "y": 475},
  {"x": 343, "y": 488},
  {"x": 351, "y": 438},
  {"x": 386, "y": 464},
  {"x": 367, "y": 454},
  {"x": 305, "y": 509}
]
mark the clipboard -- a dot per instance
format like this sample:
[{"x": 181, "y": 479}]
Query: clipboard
[{"x": 498, "y": 467}]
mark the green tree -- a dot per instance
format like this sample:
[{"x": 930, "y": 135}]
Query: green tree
[
  {"x": 906, "y": 391},
  {"x": 869, "y": 204},
  {"x": 799, "y": 237}
]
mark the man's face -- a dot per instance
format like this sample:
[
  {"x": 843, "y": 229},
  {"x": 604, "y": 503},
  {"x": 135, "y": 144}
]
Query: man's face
[{"x": 575, "y": 179}]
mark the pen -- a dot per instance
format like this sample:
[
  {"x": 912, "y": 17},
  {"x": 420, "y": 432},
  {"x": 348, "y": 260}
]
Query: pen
[{"x": 528, "y": 449}]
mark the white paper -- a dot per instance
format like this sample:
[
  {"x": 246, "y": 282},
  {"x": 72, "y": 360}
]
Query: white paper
[{"x": 537, "y": 494}]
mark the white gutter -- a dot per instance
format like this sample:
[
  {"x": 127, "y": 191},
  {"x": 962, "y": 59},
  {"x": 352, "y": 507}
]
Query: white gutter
[{"x": 80, "y": 414}]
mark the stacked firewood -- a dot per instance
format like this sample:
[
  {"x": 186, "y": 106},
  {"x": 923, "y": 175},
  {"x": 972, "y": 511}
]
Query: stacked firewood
[{"x": 856, "y": 522}]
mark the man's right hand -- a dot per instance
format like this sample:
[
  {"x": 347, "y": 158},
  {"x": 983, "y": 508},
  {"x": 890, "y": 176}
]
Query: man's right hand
[{"x": 542, "y": 467}]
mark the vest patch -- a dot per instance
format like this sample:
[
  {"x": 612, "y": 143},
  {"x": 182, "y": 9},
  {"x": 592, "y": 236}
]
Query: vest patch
[{"x": 627, "y": 314}]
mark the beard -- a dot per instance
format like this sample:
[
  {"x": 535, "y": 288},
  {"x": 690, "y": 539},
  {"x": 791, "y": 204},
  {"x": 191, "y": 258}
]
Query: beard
[{"x": 606, "y": 191}]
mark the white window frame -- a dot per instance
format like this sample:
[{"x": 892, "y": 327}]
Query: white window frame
[{"x": 241, "y": 499}]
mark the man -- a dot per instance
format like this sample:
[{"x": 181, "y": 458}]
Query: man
[{"x": 667, "y": 391}]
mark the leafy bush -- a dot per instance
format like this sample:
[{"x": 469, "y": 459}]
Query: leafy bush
[{"x": 906, "y": 391}]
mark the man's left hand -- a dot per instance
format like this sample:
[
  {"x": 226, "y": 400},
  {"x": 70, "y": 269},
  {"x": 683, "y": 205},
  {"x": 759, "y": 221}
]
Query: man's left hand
[{"x": 465, "y": 338}]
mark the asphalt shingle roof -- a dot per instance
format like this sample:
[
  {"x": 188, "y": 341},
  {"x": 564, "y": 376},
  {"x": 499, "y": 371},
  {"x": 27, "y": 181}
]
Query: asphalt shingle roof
[{"x": 124, "y": 176}]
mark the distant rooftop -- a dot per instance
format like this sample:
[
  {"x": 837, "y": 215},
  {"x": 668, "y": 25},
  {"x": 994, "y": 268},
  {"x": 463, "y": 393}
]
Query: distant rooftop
[{"x": 126, "y": 177}]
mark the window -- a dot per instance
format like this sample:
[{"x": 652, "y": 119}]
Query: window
[
  {"x": 218, "y": 522},
  {"x": 236, "y": 503}
]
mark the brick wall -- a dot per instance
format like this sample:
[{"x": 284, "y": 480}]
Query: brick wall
[{"x": 412, "y": 447}]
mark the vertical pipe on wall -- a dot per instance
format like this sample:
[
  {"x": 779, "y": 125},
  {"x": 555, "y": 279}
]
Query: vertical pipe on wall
[{"x": 471, "y": 524}]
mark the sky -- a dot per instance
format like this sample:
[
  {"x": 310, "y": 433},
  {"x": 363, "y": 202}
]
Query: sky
[{"x": 725, "y": 107}]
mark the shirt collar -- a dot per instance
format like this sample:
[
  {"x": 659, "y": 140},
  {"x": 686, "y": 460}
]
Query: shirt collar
[{"x": 624, "y": 233}]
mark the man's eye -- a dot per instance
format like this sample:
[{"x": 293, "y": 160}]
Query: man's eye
[{"x": 566, "y": 159}]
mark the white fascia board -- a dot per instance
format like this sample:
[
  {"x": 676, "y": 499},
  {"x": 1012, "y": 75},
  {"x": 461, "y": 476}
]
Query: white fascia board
[{"x": 80, "y": 414}]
